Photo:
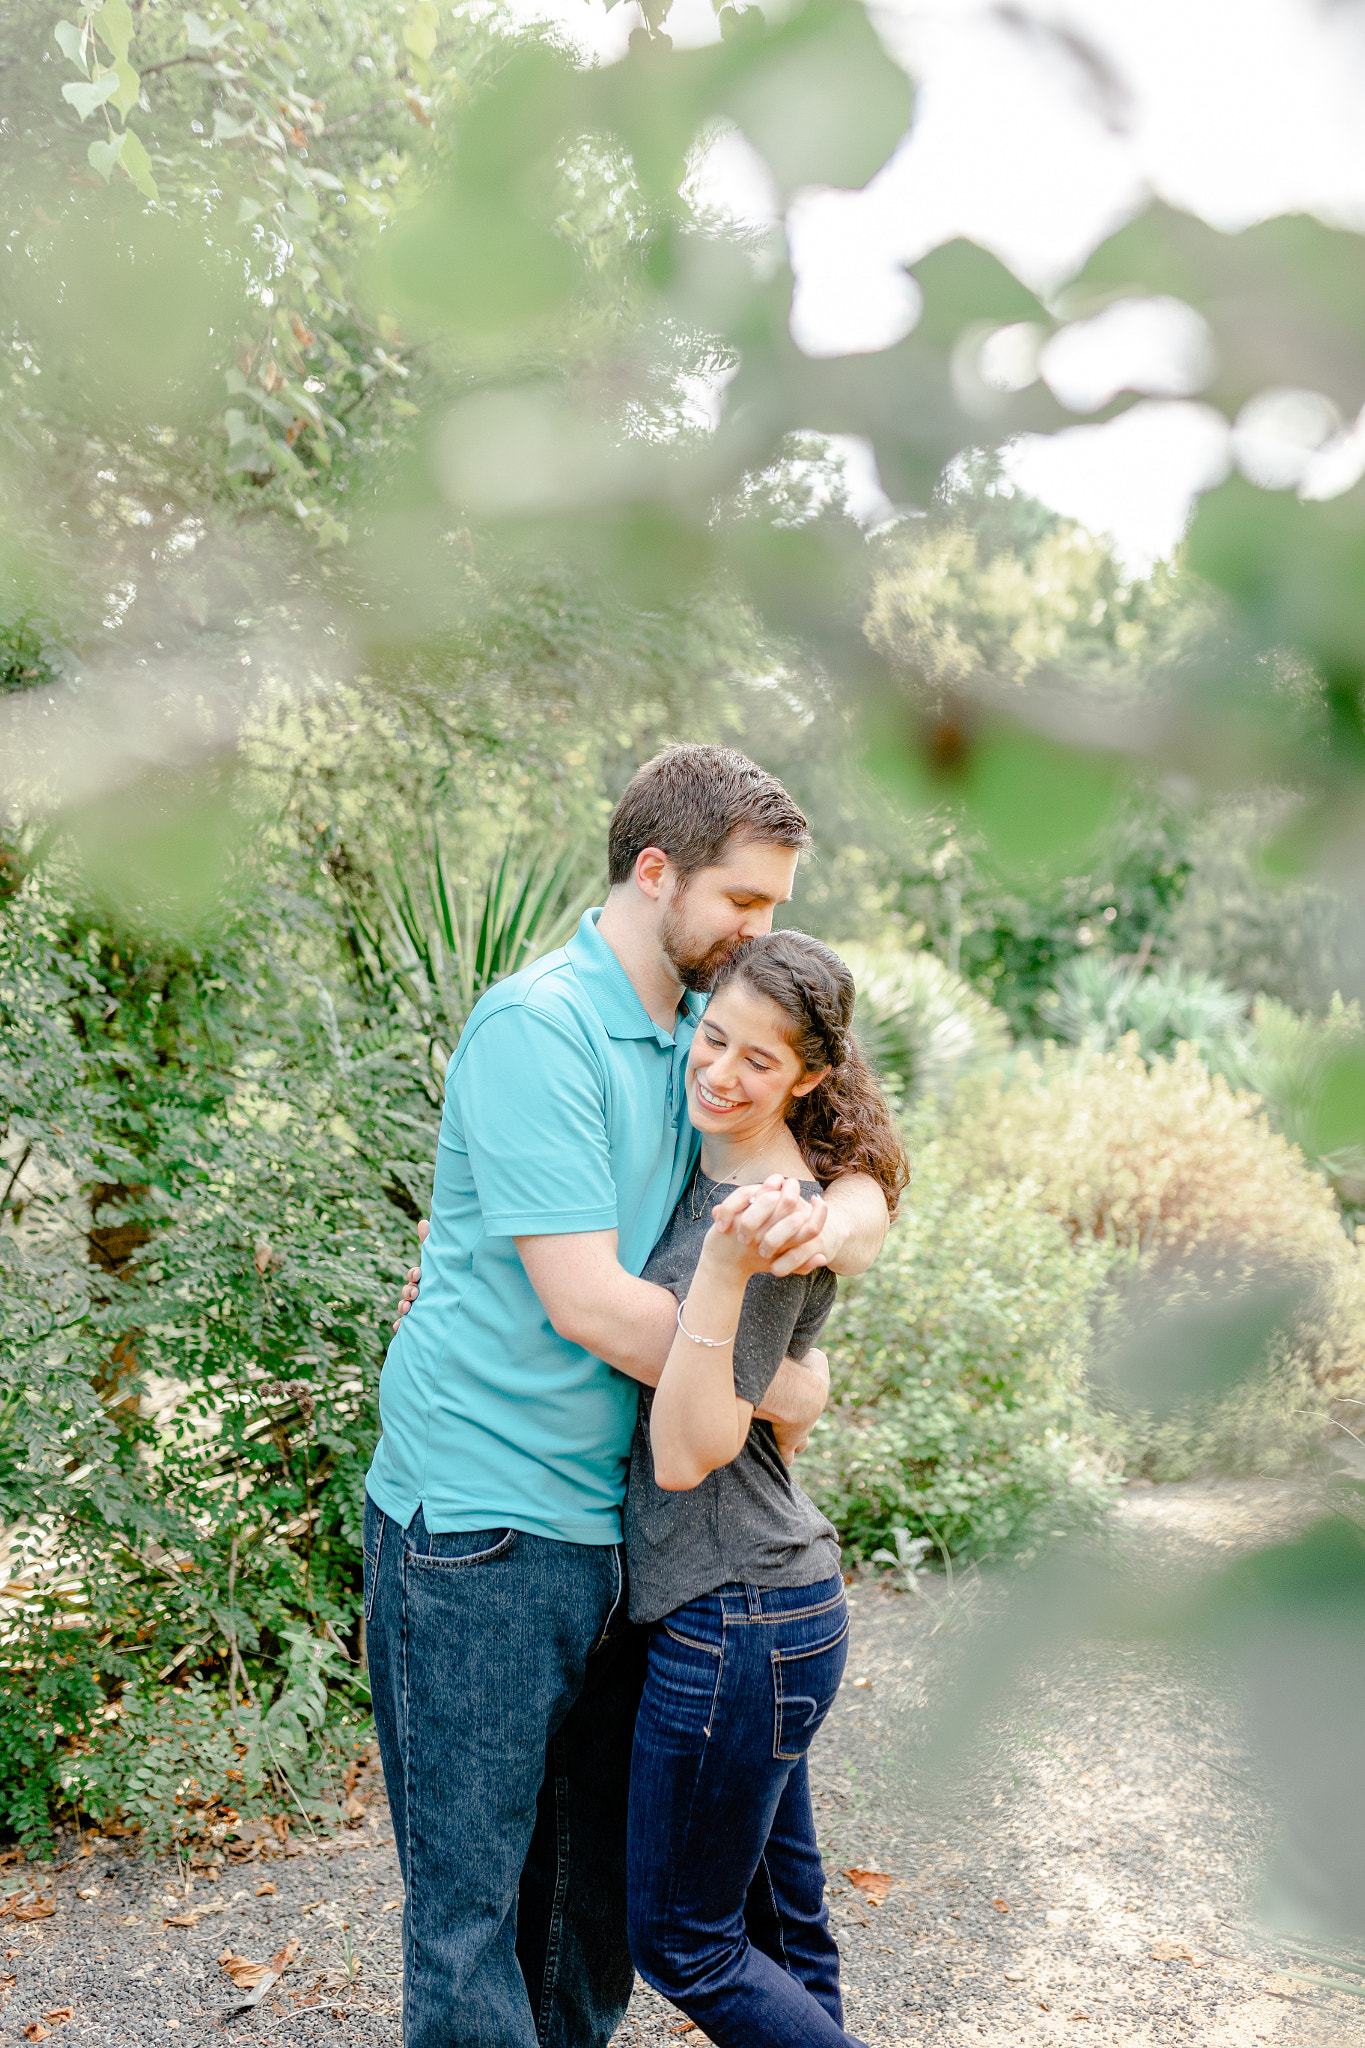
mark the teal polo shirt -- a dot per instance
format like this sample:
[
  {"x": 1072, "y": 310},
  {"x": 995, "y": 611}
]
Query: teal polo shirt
[{"x": 565, "y": 1110}]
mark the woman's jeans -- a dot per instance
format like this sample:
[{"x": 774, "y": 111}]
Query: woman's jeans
[
  {"x": 505, "y": 1680},
  {"x": 726, "y": 1890}
]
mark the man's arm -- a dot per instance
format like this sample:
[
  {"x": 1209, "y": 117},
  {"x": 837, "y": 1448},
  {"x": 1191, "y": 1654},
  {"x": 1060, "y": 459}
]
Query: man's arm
[{"x": 591, "y": 1300}]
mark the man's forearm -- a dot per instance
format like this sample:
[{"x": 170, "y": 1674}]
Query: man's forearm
[
  {"x": 858, "y": 1210},
  {"x": 796, "y": 1397}
]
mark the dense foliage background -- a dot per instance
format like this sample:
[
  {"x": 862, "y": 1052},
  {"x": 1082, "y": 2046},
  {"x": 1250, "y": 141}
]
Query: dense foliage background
[{"x": 394, "y": 454}]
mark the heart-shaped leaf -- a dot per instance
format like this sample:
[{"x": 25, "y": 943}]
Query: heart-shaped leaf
[
  {"x": 138, "y": 165},
  {"x": 102, "y": 156},
  {"x": 71, "y": 42},
  {"x": 115, "y": 25},
  {"x": 86, "y": 98}
]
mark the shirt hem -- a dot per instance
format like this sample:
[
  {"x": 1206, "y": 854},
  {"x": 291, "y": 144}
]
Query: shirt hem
[
  {"x": 551, "y": 1223},
  {"x": 594, "y": 1532},
  {"x": 643, "y": 1619}
]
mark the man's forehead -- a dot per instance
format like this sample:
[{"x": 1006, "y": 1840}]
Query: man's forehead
[{"x": 759, "y": 866}]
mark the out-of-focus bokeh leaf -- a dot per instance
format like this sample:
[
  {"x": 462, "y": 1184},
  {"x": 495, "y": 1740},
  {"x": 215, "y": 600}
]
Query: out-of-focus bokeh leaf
[
  {"x": 1295, "y": 571},
  {"x": 816, "y": 94},
  {"x": 1290, "y": 1617},
  {"x": 1336, "y": 1120},
  {"x": 1285, "y": 299},
  {"x": 1039, "y": 805},
  {"x": 479, "y": 254},
  {"x": 1183, "y": 1346},
  {"x": 159, "y": 850},
  {"x": 133, "y": 312}
]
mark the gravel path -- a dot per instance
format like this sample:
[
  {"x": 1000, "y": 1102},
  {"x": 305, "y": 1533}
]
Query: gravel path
[{"x": 1089, "y": 1881}]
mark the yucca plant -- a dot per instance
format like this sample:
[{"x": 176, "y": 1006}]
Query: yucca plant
[
  {"x": 1097, "y": 1001},
  {"x": 921, "y": 1024},
  {"x": 430, "y": 942}
]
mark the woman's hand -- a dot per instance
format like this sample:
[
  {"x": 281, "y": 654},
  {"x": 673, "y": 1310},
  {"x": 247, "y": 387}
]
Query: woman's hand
[
  {"x": 794, "y": 1233},
  {"x": 739, "y": 1237}
]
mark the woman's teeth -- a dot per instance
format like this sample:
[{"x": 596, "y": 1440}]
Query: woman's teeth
[{"x": 711, "y": 1101}]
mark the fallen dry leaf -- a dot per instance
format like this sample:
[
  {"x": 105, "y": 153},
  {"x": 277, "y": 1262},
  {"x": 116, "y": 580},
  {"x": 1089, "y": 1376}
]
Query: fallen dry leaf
[
  {"x": 245, "y": 1974},
  {"x": 1167, "y": 1951},
  {"x": 265, "y": 1891},
  {"x": 873, "y": 1884},
  {"x": 1078, "y": 2015},
  {"x": 865, "y": 1683},
  {"x": 36, "y": 1909},
  {"x": 355, "y": 1811},
  {"x": 58, "y": 2014},
  {"x": 393, "y": 1906},
  {"x": 1000, "y": 1906},
  {"x": 190, "y": 1919},
  {"x": 285, "y": 1956},
  {"x": 90, "y": 1891},
  {"x": 36, "y": 2031}
]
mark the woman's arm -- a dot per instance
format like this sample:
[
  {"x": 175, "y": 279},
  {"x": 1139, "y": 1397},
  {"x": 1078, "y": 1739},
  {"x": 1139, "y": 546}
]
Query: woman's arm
[{"x": 697, "y": 1421}]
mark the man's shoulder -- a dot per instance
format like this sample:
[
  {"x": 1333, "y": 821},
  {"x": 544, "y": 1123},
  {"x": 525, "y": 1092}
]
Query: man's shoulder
[{"x": 546, "y": 993}]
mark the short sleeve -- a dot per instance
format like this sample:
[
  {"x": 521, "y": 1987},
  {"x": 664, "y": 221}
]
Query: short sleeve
[
  {"x": 768, "y": 1320},
  {"x": 815, "y": 1314},
  {"x": 530, "y": 1105}
]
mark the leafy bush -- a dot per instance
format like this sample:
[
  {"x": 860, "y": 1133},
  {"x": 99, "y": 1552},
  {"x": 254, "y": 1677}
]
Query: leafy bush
[
  {"x": 210, "y": 1162},
  {"x": 958, "y": 1367},
  {"x": 183, "y": 1767},
  {"x": 1168, "y": 1164},
  {"x": 1163, "y": 1157}
]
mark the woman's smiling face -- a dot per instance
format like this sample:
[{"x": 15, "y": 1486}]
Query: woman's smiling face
[{"x": 741, "y": 1071}]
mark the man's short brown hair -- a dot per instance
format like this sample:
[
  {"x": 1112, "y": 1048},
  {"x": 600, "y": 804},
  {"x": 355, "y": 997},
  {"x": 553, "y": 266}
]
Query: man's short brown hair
[{"x": 691, "y": 802}]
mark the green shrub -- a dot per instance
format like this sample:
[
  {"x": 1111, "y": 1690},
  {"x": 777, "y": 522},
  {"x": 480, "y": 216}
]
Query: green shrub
[
  {"x": 183, "y": 1766},
  {"x": 958, "y": 1408},
  {"x": 211, "y": 1157},
  {"x": 1182, "y": 1174}
]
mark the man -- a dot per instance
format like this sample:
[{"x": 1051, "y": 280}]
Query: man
[{"x": 503, "y": 1674}]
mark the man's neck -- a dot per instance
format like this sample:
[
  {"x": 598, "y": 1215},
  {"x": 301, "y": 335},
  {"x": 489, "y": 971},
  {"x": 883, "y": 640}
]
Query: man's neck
[{"x": 631, "y": 931}]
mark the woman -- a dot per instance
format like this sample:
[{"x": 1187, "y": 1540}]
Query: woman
[{"x": 734, "y": 1570}]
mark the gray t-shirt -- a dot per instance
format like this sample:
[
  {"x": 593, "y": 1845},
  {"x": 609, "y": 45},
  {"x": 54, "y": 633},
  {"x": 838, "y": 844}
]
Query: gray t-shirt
[{"x": 747, "y": 1523}]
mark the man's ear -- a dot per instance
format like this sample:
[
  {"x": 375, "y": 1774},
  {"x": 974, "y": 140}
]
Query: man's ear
[{"x": 651, "y": 866}]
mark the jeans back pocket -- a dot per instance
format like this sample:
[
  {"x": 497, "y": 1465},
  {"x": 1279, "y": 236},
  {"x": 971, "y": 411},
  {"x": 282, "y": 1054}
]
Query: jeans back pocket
[{"x": 805, "y": 1682}]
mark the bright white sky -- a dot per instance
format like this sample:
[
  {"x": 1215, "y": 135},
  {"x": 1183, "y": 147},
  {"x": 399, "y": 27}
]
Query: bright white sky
[{"x": 1235, "y": 109}]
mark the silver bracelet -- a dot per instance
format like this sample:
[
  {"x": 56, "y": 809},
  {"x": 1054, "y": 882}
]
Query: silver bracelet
[{"x": 711, "y": 1343}]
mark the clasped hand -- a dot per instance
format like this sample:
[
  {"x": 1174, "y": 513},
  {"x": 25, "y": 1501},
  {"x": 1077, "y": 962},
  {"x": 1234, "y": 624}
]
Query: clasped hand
[{"x": 773, "y": 1228}]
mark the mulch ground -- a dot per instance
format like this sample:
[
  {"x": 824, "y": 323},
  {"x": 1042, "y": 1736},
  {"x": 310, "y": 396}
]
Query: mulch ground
[{"x": 1087, "y": 1876}]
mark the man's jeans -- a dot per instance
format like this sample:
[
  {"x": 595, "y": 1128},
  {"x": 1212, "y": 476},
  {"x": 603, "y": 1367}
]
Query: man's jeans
[
  {"x": 727, "y": 1893},
  {"x": 505, "y": 1680}
]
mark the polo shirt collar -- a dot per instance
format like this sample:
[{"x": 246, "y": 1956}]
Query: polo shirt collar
[{"x": 607, "y": 986}]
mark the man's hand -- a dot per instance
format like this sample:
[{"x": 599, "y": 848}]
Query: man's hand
[
  {"x": 793, "y": 1433},
  {"x": 414, "y": 1279}
]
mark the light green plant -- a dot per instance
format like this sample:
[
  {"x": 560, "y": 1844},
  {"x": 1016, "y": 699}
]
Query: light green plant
[
  {"x": 919, "y": 1022},
  {"x": 1098, "y": 1001}
]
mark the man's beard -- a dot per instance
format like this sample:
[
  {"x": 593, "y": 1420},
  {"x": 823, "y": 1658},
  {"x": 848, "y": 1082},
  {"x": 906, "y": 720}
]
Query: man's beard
[{"x": 694, "y": 970}]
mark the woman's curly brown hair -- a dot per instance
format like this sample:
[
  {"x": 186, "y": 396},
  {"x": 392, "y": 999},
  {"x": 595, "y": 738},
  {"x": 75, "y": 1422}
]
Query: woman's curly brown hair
[{"x": 844, "y": 1125}]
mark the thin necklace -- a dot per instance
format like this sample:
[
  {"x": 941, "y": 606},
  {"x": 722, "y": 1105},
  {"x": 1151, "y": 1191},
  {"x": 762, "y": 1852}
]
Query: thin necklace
[{"x": 698, "y": 1178}]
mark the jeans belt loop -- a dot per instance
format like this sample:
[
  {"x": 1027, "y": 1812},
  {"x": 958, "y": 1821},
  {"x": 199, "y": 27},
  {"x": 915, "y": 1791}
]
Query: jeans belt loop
[{"x": 753, "y": 1596}]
